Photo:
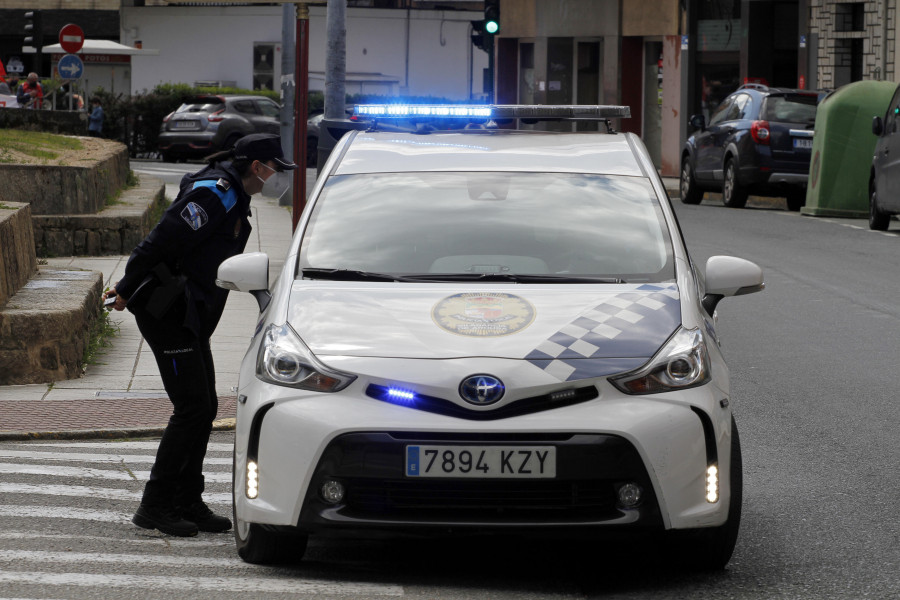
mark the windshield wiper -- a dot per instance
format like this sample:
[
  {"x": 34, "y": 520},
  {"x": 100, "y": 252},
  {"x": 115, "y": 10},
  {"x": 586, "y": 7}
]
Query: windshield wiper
[
  {"x": 513, "y": 277},
  {"x": 350, "y": 275}
]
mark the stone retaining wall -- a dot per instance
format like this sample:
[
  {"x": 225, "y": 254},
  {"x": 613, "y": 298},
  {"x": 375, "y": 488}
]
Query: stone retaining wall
[
  {"x": 45, "y": 326},
  {"x": 17, "y": 255},
  {"x": 64, "y": 190},
  {"x": 65, "y": 122},
  {"x": 116, "y": 229}
]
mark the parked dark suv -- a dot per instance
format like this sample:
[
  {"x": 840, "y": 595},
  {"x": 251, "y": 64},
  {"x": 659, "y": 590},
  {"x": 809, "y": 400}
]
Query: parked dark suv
[
  {"x": 758, "y": 141},
  {"x": 884, "y": 182},
  {"x": 207, "y": 124}
]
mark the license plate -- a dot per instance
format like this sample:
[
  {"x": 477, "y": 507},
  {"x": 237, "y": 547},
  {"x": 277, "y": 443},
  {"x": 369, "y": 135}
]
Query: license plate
[
  {"x": 186, "y": 125},
  {"x": 804, "y": 143},
  {"x": 481, "y": 462}
]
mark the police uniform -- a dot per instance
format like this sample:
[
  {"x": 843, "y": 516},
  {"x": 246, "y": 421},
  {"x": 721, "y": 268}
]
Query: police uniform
[
  {"x": 169, "y": 284},
  {"x": 207, "y": 223}
]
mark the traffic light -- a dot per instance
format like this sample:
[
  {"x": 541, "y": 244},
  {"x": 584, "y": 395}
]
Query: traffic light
[
  {"x": 34, "y": 31},
  {"x": 492, "y": 16}
]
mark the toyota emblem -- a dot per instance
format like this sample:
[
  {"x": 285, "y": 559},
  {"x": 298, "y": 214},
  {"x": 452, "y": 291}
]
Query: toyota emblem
[{"x": 481, "y": 390}]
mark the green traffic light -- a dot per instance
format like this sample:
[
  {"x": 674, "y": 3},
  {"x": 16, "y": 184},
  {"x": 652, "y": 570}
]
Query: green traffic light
[{"x": 491, "y": 27}]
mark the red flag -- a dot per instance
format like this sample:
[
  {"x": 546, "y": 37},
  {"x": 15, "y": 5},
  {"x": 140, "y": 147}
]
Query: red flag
[{"x": 2, "y": 72}]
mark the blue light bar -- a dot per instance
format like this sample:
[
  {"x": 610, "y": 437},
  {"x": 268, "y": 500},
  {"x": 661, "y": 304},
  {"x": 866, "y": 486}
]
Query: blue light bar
[
  {"x": 400, "y": 396},
  {"x": 400, "y": 111},
  {"x": 499, "y": 111}
]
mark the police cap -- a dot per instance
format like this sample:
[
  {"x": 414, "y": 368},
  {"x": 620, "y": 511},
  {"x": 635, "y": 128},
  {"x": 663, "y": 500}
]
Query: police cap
[{"x": 262, "y": 147}]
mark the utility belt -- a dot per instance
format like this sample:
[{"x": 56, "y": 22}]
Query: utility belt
[{"x": 159, "y": 292}]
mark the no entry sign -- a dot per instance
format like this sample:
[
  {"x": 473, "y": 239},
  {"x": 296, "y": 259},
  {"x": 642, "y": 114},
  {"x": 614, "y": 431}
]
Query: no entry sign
[{"x": 71, "y": 38}]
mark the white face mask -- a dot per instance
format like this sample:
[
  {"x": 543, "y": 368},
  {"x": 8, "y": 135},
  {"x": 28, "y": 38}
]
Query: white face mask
[{"x": 276, "y": 185}]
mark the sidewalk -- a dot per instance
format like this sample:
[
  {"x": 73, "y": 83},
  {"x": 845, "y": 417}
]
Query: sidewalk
[{"x": 122, "y": 395}]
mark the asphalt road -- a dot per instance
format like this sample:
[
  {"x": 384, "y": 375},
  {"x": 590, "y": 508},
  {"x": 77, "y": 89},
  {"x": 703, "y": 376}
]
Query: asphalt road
[{"x": 814, "y": 372}]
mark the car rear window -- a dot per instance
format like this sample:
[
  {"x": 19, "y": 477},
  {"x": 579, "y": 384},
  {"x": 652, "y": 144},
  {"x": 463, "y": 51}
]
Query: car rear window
[
  {"x": 198, "y": 107},
  {"x": 490, "y": 222},
  {"x": 792, "y": 108}
]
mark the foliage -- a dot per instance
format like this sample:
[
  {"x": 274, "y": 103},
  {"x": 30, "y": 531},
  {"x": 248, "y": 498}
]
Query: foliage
[
  {"x": 40, "y": 145},
  {"x": 101, "y": 331}
]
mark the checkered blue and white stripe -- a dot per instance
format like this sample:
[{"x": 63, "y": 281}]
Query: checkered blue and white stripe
[{"x": 615, "y": 336}]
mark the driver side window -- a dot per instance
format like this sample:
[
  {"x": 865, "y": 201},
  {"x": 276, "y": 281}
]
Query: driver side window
[
  {"x": 890, "y": 119},
  {"x": 721, "y": 112}
]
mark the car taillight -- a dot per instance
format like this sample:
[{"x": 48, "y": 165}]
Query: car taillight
[
  {"x": 759, "y": 131},
  {"x": 217, "y": 116},
  {"x": 168, "y": 116}
]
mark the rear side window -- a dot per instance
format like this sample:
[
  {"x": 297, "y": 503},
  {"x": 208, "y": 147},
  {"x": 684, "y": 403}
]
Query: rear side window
[
  {"x": 792, "y": 108},
  {"x": 246, "y": 106}
]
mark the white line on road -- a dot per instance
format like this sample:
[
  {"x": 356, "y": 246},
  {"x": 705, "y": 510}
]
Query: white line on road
[
  {"x": 148, "y": 537},
  {"x": 88, "y": 473},
  {"x": 251, "y": 585},
  {"x": 212, "y": 447},
  {"x": 81, "y": 491},
  {"x": 97, "y": 458},
  {"x": 64, "y": 512},
  {"x": 147, "y": 560}
]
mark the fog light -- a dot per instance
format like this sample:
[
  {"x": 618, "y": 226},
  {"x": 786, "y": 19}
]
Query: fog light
[
  {"x": 712, "y": 484},
  {"x": 252, "y": 480},
  {"x": 630, "y": 495},
  {"x": 332, "y": 491}
]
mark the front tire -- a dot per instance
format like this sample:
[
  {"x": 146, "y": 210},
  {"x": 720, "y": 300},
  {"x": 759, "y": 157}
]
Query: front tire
[
  {"x": 878, "y": 221},
  {"x": 690, "y": 193},
  {"x": 710, "y": 549},
  {"x": 733, "y": 195}
]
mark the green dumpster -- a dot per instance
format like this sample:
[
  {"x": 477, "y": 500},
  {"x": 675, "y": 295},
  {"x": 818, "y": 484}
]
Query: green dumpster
[{"x": 843, "y": 148}]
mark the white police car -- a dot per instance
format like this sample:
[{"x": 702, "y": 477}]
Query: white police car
[{"x": 487, "y": 330}]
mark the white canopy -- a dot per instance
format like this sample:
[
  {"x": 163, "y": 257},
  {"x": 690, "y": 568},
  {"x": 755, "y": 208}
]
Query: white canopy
[{"x": 101, "y": 47}]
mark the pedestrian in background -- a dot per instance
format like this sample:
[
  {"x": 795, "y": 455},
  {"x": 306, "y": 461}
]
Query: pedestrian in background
[
  {"x": 95, "y": 119},
  {"x": 169, "y": 285},
  {"x": 30, "y": 94}
]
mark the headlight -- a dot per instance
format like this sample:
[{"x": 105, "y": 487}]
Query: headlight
[
  {"x": 284, "y": 359},
  {"x": 682, "y": 363}
]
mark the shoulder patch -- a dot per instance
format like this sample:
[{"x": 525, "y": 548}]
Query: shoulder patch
[
  {"x": 194, "y": 215},
  {"x": 228, "y": 197}
]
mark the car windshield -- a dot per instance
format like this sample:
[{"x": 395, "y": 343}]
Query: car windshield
[
  {"x": 797, "y": 108},
  {"x": 550, "y": 224}
]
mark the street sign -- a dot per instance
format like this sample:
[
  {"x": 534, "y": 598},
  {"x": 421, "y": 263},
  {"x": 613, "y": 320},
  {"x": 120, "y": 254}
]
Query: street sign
[
  {"x": 71, "y": 38},
  {"x": 70, "y": 67}
]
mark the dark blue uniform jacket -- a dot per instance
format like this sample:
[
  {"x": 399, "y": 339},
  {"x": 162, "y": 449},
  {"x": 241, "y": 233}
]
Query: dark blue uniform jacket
[{"x": 208, "y": 222}]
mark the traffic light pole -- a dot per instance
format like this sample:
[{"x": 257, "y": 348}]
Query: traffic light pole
[{"x": 301, "y": 90}]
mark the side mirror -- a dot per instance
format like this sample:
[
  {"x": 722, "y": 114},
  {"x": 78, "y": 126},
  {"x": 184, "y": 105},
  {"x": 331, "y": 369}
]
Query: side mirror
[
  {"x": 247, "y": 273},
  {"x": 730, "y": 276},
  {"x": 698, "y": 121},
  {"x": 877, "y": 126}
]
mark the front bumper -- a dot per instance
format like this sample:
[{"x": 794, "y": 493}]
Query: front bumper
[{"x": 658, "y": 442}]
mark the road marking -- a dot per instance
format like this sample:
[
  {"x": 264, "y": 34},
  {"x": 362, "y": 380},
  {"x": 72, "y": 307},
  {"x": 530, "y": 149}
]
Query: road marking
[
  {"x": 97, "y": 458},
  {"x": 43, "y": 556},
  {"x": 82, "y": 491},
  {"x": 64, "y": 512},
  {"x": 211, "y": 447},
  {"x": 251, "y": 585},
  {"x": 148, "y": 537},
  {"x": 88, "y": 473}
]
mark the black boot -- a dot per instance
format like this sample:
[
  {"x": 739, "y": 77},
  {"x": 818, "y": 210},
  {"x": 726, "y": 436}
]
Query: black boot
[
  {"x": 205, "y": 519},
  {"x": 165, "y": 519}
]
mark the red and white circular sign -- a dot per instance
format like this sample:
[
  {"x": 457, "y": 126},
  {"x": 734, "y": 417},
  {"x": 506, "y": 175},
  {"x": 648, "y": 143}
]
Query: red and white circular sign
[{"x": 71, "y": 38}]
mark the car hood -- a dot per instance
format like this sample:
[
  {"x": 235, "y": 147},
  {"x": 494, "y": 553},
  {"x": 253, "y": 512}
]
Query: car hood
[{"x": 585, "y": 330}]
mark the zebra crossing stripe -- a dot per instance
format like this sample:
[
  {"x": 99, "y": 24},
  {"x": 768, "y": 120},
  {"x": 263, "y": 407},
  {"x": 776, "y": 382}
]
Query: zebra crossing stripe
[
  {"x": 64, "y": 512},
  {"x": 98, "y": 458},
  {"x": 211, "y": 447},
  {"x": 251, "y": 585},
  {"x": 147, "y": 539},
  {"x": 88, "y": 473},
  {"x": 82, "y": 491}
]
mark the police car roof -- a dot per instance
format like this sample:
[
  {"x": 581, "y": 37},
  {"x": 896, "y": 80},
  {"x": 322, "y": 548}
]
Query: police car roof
[{"x": 491, "y": 150}]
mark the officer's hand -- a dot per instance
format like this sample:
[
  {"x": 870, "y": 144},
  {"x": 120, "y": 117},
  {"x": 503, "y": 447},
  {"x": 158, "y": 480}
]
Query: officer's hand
[{"x": 120, "y": 301}]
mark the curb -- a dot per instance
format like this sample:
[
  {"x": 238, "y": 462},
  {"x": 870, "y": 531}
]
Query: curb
[{"x": 102, "y": 434}]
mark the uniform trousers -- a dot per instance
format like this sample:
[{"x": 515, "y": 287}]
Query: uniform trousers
[{"x": 186, "y": 365}]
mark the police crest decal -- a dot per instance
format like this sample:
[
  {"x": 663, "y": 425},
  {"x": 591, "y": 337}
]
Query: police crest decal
[{"x": 489, "y": 314}]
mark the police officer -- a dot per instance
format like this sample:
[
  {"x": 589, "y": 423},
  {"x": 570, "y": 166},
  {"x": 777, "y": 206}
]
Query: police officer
[{"x": 169, "y": 285}]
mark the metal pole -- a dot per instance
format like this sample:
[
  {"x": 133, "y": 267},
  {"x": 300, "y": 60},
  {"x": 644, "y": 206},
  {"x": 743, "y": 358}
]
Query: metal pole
[{"x": 301, "y": 91}]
